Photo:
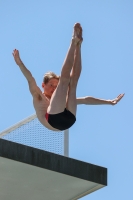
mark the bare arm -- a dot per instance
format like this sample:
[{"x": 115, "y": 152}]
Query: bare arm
[
  {"x": 95, "y": 101},
  {"x": 34, "y": 89}
]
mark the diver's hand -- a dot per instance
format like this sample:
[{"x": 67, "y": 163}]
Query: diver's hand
[
  {"x": 117, "y": 99},
  {"x": 17, "y": 57}
]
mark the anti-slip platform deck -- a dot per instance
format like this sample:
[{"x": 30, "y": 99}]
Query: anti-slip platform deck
[{"x": 27, "y": 173}]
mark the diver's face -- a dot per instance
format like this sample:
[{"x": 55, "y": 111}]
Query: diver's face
[{"x": 50, "y": 87}]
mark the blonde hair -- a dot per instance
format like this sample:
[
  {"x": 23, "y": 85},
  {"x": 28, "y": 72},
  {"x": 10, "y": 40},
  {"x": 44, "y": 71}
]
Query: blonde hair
[{"x": 48, "y": 76}]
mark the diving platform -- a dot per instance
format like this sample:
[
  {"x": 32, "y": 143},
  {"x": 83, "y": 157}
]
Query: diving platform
[{"x": 28, "y": 173}]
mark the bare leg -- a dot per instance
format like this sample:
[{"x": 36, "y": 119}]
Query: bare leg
[
  {"x": 68, "y": 63},
  {"x": 58, "y": 99},
  {"x": 75, "y": 74}
]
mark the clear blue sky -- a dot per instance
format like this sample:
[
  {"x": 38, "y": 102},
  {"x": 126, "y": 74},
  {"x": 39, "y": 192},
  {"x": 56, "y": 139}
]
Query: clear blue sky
[{"x": 41, "y": 30}]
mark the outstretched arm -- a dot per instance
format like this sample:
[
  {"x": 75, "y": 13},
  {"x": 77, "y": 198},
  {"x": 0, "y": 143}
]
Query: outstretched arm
[
  {"x": 94, "y": 101},
  {"x": 22, "y": 67},
  {"x": 35, "y": 91}
]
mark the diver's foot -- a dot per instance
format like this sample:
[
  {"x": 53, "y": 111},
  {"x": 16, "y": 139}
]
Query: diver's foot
[{"x": 77, "y": 34}]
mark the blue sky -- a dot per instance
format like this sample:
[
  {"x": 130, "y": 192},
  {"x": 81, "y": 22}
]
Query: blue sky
[{"x": 42, "y": 30}]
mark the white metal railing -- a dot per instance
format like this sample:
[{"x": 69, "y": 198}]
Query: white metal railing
[{"x": 19, "y": 125}]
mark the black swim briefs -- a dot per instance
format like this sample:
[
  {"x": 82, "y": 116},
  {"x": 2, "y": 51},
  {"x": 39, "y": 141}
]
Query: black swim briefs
[{"x": 61, "y": 121}]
